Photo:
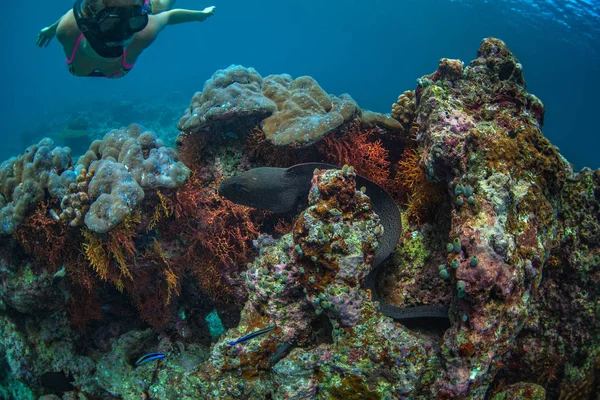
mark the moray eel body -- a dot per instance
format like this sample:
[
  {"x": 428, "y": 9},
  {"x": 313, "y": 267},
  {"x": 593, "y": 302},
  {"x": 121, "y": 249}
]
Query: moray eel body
[{"x": 283, "y": 190}]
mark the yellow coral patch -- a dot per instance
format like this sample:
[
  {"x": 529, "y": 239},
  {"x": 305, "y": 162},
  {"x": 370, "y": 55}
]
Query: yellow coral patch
[{"x": 95, "y": 254}]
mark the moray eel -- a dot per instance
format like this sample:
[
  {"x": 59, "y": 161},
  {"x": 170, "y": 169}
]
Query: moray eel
[{"x": 282, "y": 190}]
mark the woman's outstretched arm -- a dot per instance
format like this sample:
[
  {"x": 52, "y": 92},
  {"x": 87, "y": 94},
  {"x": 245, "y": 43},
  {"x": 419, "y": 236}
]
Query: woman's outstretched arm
[
  {"x": 179, "y": 16},
  {"x": 47, "y": 34},
  {"x": 158, "y": 22}
]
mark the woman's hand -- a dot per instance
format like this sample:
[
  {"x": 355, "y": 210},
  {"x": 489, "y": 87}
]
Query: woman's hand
[
  {"x": 209, "y": 11},
  {"x": 46, "y": 35}
]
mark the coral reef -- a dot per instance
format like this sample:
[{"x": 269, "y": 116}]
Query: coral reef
[
  {"x": 361, "y": 149},
  {"x": 460, "y": 147},
  {"x": 312, "y": 277},
  {"x": 25, "y": 179},
  {"x": 105, "y": 185},
  {"x": 305, "y": 112},
  {"x": 142, "y": 255},
  {"x": 106, "y": 190},
  {"x": 291, "y": 111},
  {"x": 523, "y": 391},
  {"x": 232, "y": 96},
  {"x": 405, "y": 109},
  {"x": 76, "y": 126},
  {"x": 123, "y": 165}
]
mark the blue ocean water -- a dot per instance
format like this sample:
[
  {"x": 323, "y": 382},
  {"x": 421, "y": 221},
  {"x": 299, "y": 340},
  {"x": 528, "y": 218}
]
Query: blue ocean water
[{"x": 372, "y": 50}]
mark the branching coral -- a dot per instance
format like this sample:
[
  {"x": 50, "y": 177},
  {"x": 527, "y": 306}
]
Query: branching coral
[
  {"x": 209, "y": 225},
  {"x": 155, "y": 283},
  {"x": 84, "y": 305},
  {"x": 162, "y": 210},
  {"x": 405, "y": 109},
  {"x": 171, "y": 277},
  {"x": 588, "y": 388},
  {"x": 190, "y": 146},
  {"x": 96, "y": 254}
]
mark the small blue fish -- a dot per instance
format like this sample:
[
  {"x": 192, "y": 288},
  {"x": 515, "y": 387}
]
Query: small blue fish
[
  {"x": 59, "y": 275},
  {"x": 252, "y": 335},
  {"x": 146, "y": 358}
]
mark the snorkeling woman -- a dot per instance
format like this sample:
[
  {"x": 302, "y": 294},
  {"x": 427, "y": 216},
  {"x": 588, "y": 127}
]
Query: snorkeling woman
[{"x": 104, "y": 38}]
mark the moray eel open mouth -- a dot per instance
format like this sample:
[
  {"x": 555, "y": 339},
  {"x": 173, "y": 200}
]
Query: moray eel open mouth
[{"x": 283, "y": 190}]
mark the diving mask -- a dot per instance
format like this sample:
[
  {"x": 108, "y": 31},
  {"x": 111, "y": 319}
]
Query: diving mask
[{"x": 110, "y": 29}]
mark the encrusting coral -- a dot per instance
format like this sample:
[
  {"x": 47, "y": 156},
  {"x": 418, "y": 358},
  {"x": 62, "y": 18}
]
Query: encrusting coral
[{"x": 305, "y": 278}]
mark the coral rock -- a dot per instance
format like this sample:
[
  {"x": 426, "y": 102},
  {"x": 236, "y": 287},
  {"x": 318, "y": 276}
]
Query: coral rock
[
  {"x": 24, "y": 180},
  {"x": 305, "y": 112},
  {"x": 511, "y": 227},
  {"x": 291, "y": 111},
  {"x": 115, "y": 192},
  {"x": 450, "y": 69},
  {"x": 232, "y": 94},
  {"x": 120, "y": 167}
]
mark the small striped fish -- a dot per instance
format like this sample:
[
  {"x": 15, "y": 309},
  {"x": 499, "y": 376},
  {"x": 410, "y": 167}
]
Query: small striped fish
[
  {"x": 146, "y": 358},
  {"x": 252, "y": 335}
]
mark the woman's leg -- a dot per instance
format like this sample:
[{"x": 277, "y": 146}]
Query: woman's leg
[{"x": 159, "y": 6}]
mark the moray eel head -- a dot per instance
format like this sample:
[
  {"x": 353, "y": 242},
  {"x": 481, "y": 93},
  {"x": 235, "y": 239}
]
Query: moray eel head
[{"x": 263, "y": 188}]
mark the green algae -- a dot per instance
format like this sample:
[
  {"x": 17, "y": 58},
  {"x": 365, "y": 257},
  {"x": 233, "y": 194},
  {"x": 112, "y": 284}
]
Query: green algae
[{"x": 215, "y": 326}]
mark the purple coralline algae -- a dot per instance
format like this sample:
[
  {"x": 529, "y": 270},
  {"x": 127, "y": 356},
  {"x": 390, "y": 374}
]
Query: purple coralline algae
[{"x": 478, "y": 126}]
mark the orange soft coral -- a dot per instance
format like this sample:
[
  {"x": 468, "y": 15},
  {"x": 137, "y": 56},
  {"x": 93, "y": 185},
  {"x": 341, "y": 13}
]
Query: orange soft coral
[
  {"x": 84, "y": 304},
  {"x": 218, "y": 230},
  {"x": 361, "y": 149},
  {"x": 44, "y": 236},
  {"x": 115, "y": 248},
  {"x": 412, "y": 187}
]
